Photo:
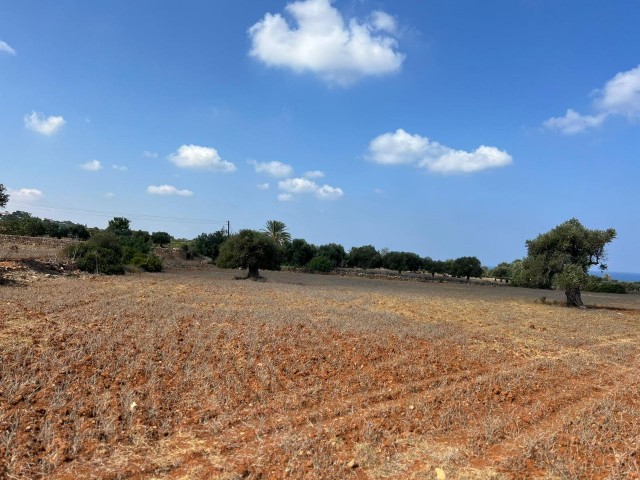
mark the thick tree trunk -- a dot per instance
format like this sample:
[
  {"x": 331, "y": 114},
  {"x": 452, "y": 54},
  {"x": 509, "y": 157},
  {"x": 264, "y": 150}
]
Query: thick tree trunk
[
  {"x": 253, "y": 273},
  {"x": 574, "y": 299}
]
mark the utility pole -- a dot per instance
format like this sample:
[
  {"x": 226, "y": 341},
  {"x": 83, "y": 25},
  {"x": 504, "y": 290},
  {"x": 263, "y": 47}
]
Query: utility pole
[{"x": 228, "y": 228}]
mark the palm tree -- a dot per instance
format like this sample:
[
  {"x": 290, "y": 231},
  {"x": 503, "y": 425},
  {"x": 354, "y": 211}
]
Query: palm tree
[{"x": 277, "y": 231}]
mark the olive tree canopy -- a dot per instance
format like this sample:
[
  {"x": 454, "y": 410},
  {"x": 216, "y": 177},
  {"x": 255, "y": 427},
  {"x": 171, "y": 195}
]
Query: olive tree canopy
[
  {"x": 563, "y": 256},
  {"x": 4, "y": 197},
  {"x": 251, "y": 250}
]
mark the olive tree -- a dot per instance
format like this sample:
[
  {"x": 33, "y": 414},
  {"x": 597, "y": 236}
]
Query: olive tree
[
  {"x": 467, "y": 267},
  {"x": 4, "y": 196},
  {"x": 161, "y": 238},
  {"x": 251, "y": 250},
  {"x": 563, "y": 256}
]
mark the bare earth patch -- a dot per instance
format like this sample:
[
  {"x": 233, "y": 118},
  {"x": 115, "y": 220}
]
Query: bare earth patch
[{"x": 192, "y": 374}]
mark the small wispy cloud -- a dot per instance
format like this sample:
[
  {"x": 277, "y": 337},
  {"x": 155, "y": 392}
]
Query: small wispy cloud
[
  {"x": 120, "y": 168},
  {"x": 275, "y": 169},
  {"x": 92, "y": 166},
  {"x": 263, "y": 186},
  {"x": 285, "y": 197},
  {"x": 619, "y": 97},
  {"x": 6, "y": 48},
  {"x": 37, "y": 122},
  {"x": 167, "y": 190},
  {"x": 109, "y": 195},
  {"x": 314, "y": 174},
  {"x": 302, "y": 186},
  {"x": 149, "y": 154}
]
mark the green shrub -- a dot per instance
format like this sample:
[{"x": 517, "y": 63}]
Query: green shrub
[
  {"x": 149, "y": 263},
  {"x": 320, "y": 263},
  {"x": 606, "y": 287},
  {"x": 102, "y": 253},
  {"x": 100, "y": 260}
]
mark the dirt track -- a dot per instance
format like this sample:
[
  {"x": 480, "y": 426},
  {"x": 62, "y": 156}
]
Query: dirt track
[{"x": 196, "y": 375}]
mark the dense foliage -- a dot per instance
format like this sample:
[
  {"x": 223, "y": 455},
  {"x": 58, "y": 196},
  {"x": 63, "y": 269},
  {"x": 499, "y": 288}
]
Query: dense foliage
[
  {"x": 25, "y": 224},
  {"x": 252, "y": 250},
  {"x": 208, "y": 244},
  {"x": 161, "y": 238},
  {"x": 562, "y": 257},
  {"x": 110, "y": 250},
  {"x": 4, "y": 197}
]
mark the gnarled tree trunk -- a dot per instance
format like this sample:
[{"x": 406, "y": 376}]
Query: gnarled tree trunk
[
  {"x": 574, "y": 299},
  {"x": 253, "y": 272}
]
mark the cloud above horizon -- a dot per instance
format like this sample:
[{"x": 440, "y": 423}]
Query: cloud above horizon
[
  {"x": 274, "y": 169},
  {"x": 402, "y": 148},
  {"x": 619, "y": 97},
  {"x": 203, "y": 158},
  {"x": 167, "y": 190},
  {"x": 92, "y": 165},
  {"x": 303, "y": 186},
  {"x": 24, "y": 195},
  {"x": 37, "y": 122},
  {"x": 323, "y": 42},
  {"x": 6, "y": 48}
]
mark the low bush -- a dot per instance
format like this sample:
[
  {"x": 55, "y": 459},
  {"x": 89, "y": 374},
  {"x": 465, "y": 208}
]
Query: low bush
[
  {"x": 102, "y": 253},
  {"x": 149, "y": 263},
  {"x": 321, "y": 264},
  {"x": 607, "y": 287}
]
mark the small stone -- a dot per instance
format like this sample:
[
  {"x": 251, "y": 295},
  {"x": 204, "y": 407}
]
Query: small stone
[
  {"x": 440, "y": 475},
  {"x": 352, "y": 464}
]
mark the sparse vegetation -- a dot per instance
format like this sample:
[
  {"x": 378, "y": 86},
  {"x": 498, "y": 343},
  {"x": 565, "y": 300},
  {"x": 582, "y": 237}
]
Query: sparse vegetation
[{"x": 194, "y": 375}]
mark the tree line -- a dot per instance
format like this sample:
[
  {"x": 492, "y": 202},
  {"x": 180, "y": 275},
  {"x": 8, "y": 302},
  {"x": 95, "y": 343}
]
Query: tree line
[{"x": 560, "y": 258}]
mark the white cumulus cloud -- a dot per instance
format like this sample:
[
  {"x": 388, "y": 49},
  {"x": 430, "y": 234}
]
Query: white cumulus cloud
[
  {"x": 92, "y": 165},
  {"x": 302, "y": 186},
  {"x": 402, "y": 148},
  {"x": 25, "y": 195},
  {"x": 6, "y": 48},
  {"x": 573, "y": 122},
  {"x": 167, "y": 190},
  {"x": 197, "y": 157},
  {"x": 43, "y": 125},
  {"x": 275, "y": 169},
  {"x": 323, "y": 42},
  {"x": 620, "y": 96}
]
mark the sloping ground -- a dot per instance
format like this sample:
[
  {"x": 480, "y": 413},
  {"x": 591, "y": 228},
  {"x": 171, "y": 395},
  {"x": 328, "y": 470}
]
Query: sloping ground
[{"x": 194, "y": 375}]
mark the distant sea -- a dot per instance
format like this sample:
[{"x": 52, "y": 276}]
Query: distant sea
[{"x": 620, "y": 276}]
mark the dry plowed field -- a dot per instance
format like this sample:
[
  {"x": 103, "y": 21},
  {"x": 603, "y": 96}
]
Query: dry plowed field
[{"x": 192, "y": 374}]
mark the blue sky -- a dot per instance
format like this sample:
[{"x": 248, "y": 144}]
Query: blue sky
[{"x": 447, "y": 128}]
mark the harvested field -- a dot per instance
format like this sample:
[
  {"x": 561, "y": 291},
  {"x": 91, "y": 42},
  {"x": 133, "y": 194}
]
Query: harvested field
[{"x": 191, "y": 374}]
